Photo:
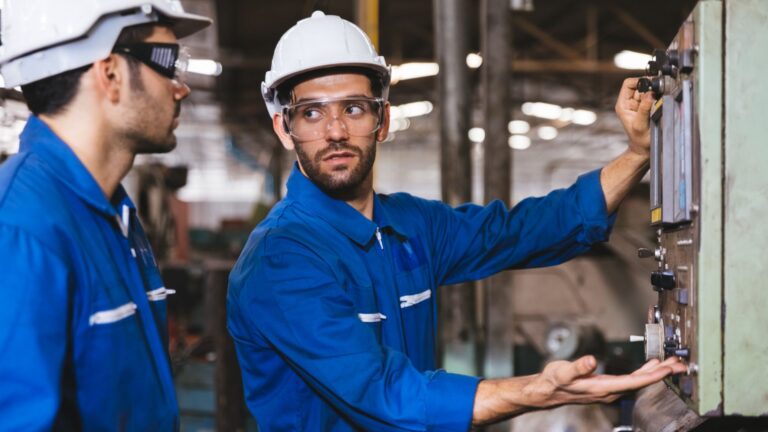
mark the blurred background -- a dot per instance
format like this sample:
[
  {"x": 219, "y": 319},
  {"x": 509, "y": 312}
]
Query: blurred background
[{"x": 492, "y": 99}]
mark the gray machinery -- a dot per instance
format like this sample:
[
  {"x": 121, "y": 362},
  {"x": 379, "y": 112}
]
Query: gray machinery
[{"x": 709, "y": 200}]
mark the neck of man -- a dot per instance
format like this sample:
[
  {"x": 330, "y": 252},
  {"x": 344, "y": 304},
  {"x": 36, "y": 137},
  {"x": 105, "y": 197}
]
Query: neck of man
[{"x": 105, "y": 159}]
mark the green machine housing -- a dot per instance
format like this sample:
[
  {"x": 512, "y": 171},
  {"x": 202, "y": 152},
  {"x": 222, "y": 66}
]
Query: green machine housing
[{"x": 709, "y": 206}]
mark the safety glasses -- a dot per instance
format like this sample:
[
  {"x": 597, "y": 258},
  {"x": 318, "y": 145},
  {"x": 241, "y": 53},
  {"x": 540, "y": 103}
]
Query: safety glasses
[
  {"x": 167, "y": 59},
  {"x": 311, "y": 120}
]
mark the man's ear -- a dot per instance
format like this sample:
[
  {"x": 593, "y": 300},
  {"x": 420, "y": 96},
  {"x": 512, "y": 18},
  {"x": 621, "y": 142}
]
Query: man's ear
[
  {"x": 108, "y": 77},
  {"x": 383, "y": 131},
  {"x": 281, "y": 130}
]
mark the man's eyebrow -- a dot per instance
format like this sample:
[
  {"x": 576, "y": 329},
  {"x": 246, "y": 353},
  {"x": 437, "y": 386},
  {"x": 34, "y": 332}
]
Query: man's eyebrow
[{"x": 352, "y": 96}]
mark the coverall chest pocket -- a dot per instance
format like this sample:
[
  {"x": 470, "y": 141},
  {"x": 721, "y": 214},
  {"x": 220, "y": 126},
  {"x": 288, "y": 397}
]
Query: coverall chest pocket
[
  {"x": 368, "y": 311},
  {"x": 112, "y": 321},
  {"x": 417, "y": 309}
]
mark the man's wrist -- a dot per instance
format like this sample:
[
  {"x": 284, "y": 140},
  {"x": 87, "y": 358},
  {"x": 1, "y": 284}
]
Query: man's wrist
[{"x": 641, "y": 155}]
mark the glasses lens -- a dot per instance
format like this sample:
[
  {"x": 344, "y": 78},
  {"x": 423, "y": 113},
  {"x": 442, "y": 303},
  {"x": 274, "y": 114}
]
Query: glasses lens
[
  {"x": 182, "y": 66},
  {"x": 161, "y": 57},
  {"x": 312, "y": 120}
]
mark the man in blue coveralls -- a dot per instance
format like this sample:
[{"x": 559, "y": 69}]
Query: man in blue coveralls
[
  {"x": 332, "y": 302},
  {"x": 83, "y": 330}
]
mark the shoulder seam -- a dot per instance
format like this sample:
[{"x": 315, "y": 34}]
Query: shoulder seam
[{"x": 33, "y": 237}]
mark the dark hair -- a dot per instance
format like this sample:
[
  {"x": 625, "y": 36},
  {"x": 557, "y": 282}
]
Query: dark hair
[
  {"x": 285, "y": 90},
  {"x": 52, "y": 95}
]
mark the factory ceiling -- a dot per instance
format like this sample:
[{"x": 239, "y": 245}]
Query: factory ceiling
[{"x": 568, "y": 42}]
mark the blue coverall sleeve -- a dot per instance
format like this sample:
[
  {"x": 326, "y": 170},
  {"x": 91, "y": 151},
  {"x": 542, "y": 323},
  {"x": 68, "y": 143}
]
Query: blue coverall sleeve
[
  {"x": 473, "y": 242},
  {"x": 292, "y": 296},
  {"x": 33, "y": 331}
]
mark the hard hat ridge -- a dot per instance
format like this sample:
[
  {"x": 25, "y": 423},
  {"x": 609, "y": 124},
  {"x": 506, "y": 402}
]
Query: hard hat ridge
[{"x": 321, "y": 42}]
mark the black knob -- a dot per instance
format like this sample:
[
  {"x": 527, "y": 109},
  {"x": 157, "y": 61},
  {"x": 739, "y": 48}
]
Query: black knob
[
  {"x": 644, "y": 85},
  {"x": 655, "y": 85},
  {"x": 686, "y": 61},
  {"x": 663, "y": 280},
  {"x": 652, "y": 69},
  {"x": 645, "y": 253},
  {"x": 669, "y": 347},
  {"x": 682, "y": 352}
]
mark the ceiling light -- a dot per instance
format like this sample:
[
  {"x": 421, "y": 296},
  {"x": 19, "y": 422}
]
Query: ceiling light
[
  {"x": 399, "y": 124},
  {"x": 547, "y": 133},
  {"x": 519, "y": 142},
  {"x": 518, "y": 127},
  {"x": 474, "y": 60},
  {"x": 542, "y": 110},
  {"x": 476, "y": 135},
  {"x": 408, "y": 71},
  {"x": 584, "y": 117},
  {"x": 566, "y": 115},
  {"x": 414, "y": 109},
  {"x": 204, "y": 67},
  {"x": 631, "y": 60}
]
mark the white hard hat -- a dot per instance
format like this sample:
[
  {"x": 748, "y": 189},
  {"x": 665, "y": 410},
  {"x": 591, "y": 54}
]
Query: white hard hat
[
  {"x": 43, "y": 38},
  {"x": 320, "y": 42}
]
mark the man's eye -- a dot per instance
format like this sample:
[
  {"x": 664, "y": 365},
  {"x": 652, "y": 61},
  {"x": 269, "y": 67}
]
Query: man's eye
[
  {"x": 355, "y": 110},
  {"x": 312, "y": 114}
]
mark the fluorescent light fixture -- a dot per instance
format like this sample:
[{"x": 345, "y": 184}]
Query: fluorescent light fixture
[
  {"x": 399, "y": 124},
  {"x": 408, "y": 71},
  {"x": 584, "y": 117},
  {"x": 413, "y": 109},
  {"x": 547, "y": 133},
  {"x": 631, "y": 60},
  {"x": 542, "y": 110},
  {"x": 518, "y": 127},
  {"x": 519, "y": 142},
  {"x": 566, "y": 115},
  {"x": 204, "y": 67},
  {"x": 476, "y": 135},
  {"x": 474, "y": 60}
]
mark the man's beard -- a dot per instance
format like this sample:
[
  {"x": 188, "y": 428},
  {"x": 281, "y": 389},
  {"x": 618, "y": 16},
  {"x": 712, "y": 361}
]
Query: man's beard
[
  {"x": 163, "y": 140},
  {"x": 346, "y": 187}
]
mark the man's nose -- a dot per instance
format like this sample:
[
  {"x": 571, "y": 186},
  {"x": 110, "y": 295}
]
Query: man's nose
[
  {"x": 181, "y": 91},
  {"x": 337, "y": 130}
]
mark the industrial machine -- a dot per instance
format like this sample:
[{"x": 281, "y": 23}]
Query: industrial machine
[{"x": 709, "y": 199}]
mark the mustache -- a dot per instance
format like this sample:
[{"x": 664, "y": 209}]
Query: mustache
[{"x": 337, "y": 146}]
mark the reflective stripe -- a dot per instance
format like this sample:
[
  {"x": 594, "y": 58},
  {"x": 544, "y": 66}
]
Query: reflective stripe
[
  {"x": 159, "y": 294},
  {"x": 371, "y": 317},
  {"x": 410, "y": 300},
  {"x": 113, "y": 315}
]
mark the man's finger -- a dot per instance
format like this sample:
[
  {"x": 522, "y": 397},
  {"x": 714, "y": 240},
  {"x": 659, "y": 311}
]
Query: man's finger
[
  {"x": 628, "y": 88},
  {"x": 650, "y": 364},
  {"x": 568, "y": 372},
  {"x": 609, "y": 384},
  {"x": 644, "y": 109}
]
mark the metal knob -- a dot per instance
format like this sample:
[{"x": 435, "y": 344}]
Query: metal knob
[{"x": 654, "y": 341}]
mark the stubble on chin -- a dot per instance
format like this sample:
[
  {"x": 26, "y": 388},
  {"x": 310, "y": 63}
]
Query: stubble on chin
[{"x": 343, "y": 182}]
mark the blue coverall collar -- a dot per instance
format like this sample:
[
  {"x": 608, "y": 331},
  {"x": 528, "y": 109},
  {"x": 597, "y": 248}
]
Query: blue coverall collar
[
  {"x": 38, "y": 138},
  {"x": 338, "y": 213}
]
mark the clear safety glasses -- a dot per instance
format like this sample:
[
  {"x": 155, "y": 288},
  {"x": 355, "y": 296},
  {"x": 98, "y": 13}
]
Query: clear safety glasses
[
  {"x": 310, "y": 120},
  {"x": 167, "y": 59}
]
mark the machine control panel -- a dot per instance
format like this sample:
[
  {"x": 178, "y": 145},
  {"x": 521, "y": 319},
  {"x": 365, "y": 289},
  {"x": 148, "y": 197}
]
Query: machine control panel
[{"x": 674, "y": 203}]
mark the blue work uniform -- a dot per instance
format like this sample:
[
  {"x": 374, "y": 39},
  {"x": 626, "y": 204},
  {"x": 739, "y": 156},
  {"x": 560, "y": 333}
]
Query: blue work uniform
[
  {"x": 83, "y": 331},
  {"x": 334, "y": 315}
]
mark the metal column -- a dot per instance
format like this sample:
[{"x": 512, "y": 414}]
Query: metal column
[
  {"x": 495, "y": 295},
  {"x": 457, "y": 303}
]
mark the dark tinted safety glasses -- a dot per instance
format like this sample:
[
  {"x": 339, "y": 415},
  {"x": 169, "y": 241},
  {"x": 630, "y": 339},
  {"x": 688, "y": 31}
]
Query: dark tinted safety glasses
[{"x": 167, "y": 59}]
